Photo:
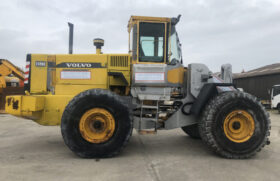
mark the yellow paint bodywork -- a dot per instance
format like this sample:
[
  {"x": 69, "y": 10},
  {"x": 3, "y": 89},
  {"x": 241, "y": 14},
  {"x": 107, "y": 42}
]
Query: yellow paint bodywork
[
  {"x": 99, "y": 76},
  {"x": 176, "y": 76},
  {"x": 38, "y": 75},
  {"x": 43, "y": 109},
  {"x": 49, "y": 93}
]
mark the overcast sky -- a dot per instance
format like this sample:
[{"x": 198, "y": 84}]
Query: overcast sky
[{"x": 245, "y": 33}]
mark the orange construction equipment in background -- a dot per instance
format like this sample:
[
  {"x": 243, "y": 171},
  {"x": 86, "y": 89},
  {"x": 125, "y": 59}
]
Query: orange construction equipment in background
[{"x": 11, "y": 81}]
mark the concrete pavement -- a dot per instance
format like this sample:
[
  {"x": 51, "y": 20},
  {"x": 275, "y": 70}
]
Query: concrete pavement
[{"x": 29, "y": 151}]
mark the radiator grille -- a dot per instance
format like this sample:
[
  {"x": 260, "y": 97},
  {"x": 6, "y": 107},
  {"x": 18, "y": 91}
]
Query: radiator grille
[{"x": 119, "y": 61}]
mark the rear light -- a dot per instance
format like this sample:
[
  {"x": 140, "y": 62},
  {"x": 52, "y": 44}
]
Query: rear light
[{"x": 27, "y": 73}]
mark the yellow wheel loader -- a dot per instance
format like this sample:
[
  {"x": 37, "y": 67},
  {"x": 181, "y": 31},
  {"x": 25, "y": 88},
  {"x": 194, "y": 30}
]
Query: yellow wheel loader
[{"x": 98, "y": 99}]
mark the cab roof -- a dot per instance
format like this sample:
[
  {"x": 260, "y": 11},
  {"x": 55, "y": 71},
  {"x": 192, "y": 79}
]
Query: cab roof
[{"x": 134, "y": 19}]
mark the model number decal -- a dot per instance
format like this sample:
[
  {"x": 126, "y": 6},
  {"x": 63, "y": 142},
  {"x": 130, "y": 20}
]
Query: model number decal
[
  {"x": 40, "y": 63},
  {"x": 81, "y": 75}
]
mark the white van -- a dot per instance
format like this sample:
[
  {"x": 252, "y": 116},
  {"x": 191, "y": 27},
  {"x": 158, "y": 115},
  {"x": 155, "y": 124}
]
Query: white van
[{"x": 275, "y": 97}]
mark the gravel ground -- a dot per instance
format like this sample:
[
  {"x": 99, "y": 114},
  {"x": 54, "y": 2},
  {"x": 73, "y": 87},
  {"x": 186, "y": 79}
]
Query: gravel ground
[{"x": 29, "y": 151}]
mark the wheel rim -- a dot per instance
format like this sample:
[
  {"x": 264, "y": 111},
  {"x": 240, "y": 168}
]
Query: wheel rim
[
  {"x": 239, "y": 126},
  {"x": 97, "y": 125}
]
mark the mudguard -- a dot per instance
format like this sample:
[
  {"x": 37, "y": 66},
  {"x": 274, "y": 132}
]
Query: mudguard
[{"x": 208, "y": 91}]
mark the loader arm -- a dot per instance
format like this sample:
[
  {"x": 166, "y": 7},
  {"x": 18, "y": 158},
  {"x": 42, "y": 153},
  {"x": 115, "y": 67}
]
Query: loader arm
[{"x": 7, "y": 68}]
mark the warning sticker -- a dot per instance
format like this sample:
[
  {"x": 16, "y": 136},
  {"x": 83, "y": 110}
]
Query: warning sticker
[
  {"x": 75, "y": 75},
  {"x": 149, "y": 76}
]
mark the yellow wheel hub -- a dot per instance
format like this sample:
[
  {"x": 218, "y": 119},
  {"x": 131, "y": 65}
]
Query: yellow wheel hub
[
  {"x": 239, "y": 126},
  {"x": 97, "y": 125}
]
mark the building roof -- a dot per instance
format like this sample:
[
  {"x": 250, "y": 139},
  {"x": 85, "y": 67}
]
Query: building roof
[{"x": 265, "y": 70}]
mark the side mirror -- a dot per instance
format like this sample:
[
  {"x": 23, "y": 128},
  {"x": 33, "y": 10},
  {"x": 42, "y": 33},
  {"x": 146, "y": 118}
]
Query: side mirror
[
  {"x": 174, "y": 21},
  {"x": 174, "y": 61}
]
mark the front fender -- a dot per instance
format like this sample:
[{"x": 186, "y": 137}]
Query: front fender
[{"x": 208, "y": 91}]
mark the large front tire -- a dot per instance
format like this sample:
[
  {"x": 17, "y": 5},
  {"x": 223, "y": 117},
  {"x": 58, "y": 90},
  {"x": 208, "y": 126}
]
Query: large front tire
[
  {"x": 96, "y": 124},
  {"x": 235, "y": 125}
]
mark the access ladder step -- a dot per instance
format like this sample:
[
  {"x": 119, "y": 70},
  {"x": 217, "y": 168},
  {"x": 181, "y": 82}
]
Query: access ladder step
[
  {"x": 149, "y": 119},
  {"x": 149, "y": 107}
]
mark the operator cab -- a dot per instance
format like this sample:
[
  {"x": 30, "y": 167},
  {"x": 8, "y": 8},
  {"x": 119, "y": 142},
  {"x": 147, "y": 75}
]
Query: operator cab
[
  {"x": 154, "y": 40},
  {"x": 156, "y": 58}
]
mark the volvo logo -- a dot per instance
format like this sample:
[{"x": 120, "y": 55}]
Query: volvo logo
[{"x": 78, "y": 65}]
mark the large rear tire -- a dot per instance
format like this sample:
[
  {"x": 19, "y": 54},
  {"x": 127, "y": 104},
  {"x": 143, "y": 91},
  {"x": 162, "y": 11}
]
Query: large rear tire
[
  {"x": 192, "y": 131},
  {"x": 96, "y": 124},
  {"x": 235, "y": 125}
]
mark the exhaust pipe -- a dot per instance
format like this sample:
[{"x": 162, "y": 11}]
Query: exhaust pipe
[{"x": 71, "y": 32}]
